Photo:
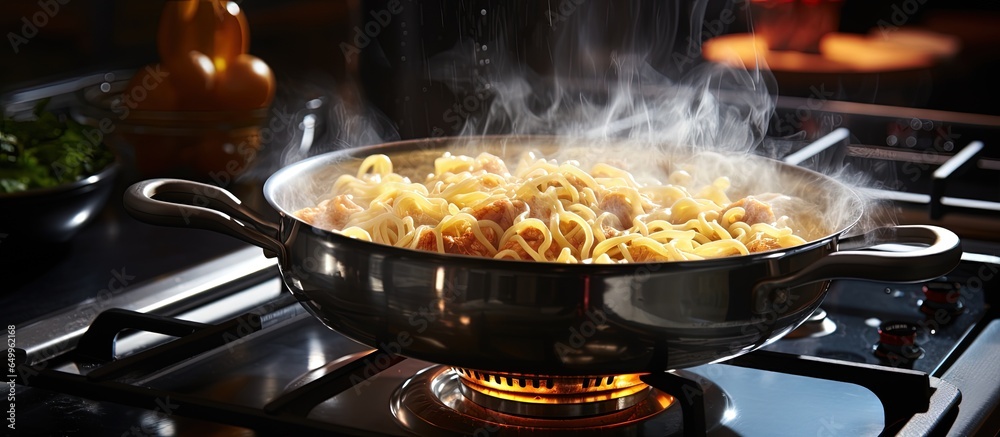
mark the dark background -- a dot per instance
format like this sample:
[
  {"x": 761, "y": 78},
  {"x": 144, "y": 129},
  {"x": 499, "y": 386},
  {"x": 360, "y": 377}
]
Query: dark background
[{"x": 301, "y": 39}]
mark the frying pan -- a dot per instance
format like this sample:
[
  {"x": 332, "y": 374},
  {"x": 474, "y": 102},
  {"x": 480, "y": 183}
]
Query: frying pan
[{"x": 546, "y": 318}]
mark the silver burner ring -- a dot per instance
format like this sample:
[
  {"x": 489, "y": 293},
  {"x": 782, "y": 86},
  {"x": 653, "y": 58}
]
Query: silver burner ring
[
  {"x": 432, "y": 403},
  {"x": 554, "y": 410}
]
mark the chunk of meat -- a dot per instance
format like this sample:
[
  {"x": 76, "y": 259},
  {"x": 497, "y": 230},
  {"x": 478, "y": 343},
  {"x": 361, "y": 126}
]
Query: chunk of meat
[
  {"x": 492, "y": 164},
  {"x": 756, "y": 211},
  {"x": 308, "y": 215},
  {"x": 763, "y": 245},
  {"x": 534, "y": 238},
  {"x": 422, "y": 219},
  {"x": 427, "y": 242},
  {"x": 539, "y": 209},
  {"x": 332, "y": 213},
  {"x": 576, "y": 182},
  {"x": 619, "y": 205},
  {"x": 502, "y": 212},
  {"x": 466, "y": 244}
]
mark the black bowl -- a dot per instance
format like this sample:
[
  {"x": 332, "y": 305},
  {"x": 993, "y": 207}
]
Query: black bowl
[{"x": 44, "y": 217}]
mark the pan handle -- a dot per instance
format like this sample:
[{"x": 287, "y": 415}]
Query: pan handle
[
  {"x": 942, "y": 254},
  {"x": 180, "y": 203}
]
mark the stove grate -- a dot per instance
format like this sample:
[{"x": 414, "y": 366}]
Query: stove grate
[{"x": 909, "y": 397}]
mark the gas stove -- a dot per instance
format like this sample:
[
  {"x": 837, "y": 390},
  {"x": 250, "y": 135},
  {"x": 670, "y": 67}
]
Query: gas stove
[
  {"x": 222, "y": 348},
  {"x": 276, "y": 369}
]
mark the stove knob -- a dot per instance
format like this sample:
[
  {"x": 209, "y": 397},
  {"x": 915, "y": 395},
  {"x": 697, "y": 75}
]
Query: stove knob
[
  {"x": 942, "y": 300},
  {"x": 896, "y": 345}
]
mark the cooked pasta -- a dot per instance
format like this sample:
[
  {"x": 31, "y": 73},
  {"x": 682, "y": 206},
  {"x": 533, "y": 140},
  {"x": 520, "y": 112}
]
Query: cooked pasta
[{"x": 548, "y": 211}]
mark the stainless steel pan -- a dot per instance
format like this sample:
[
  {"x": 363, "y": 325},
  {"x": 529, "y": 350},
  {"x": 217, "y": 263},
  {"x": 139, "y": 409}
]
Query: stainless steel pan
[{"x": 545, "y": 318}]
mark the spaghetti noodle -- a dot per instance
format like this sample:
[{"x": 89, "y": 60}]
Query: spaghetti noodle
[{"x": 548, "y": 211}]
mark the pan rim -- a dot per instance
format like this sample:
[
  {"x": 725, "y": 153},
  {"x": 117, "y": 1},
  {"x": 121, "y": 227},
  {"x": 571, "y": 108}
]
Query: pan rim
[{"x": 289, "y": 172}]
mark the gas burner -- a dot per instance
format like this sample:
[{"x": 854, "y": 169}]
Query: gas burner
[
  {"x": 552, "y": 396},
  {"x": 437, "y": 401},
  {"x": 817, "y": 325}
]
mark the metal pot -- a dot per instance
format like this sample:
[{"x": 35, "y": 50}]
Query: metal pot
[{"x": 544, "y": 318}]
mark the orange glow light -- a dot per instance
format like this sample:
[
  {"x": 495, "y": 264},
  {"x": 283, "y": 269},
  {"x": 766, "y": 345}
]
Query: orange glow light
[
  {"x": 538, "y": 389},
  {"x": 531, "y": 398}
]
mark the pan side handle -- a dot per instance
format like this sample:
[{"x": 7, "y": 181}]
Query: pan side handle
[
  {"x": 942, "y": 254},
  {"x": 187, "y": 204}
]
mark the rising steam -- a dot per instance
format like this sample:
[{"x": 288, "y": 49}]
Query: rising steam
[
  {"x": 597, "y": 92},
  {"x": 633, "y": 92}
]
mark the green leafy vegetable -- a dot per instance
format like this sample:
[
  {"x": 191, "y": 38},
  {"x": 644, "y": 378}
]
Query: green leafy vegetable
[{"x": 46, "y": 152}]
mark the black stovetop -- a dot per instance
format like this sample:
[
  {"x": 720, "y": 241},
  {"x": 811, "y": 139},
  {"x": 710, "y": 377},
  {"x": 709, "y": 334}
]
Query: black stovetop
[{"x": 255, "y": 377}]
